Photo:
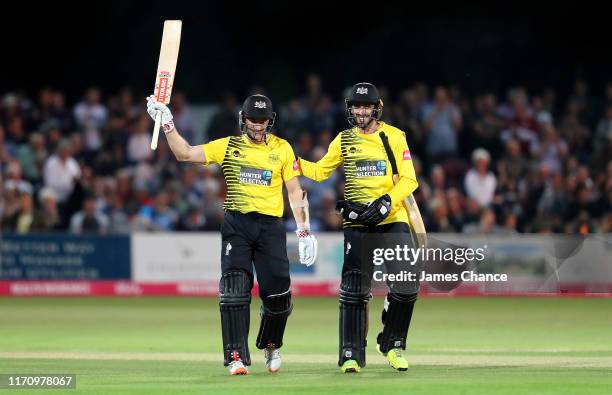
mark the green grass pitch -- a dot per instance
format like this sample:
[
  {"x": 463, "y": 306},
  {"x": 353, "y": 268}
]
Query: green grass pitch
[{"x": 172, "y": 345}]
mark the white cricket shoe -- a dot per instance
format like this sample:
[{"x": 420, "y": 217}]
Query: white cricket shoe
[
  {"x": 236, "y": 367},
  {"x": 273, "y": 359}
]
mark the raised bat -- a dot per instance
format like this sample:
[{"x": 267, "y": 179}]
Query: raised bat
[{"x": 168, "y": 56}]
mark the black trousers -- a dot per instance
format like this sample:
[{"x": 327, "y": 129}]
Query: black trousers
[
  {"x": 360, "y": 241},
  {"x": 362, "y": 247},
  {"x": 259, "y": 241}
]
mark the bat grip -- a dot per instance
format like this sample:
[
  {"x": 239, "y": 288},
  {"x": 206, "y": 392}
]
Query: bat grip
[{"x": 155, "y": 136}]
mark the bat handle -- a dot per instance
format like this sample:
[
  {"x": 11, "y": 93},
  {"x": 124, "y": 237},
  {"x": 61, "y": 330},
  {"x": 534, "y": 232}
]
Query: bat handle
[{"x": 155, "y": 136}]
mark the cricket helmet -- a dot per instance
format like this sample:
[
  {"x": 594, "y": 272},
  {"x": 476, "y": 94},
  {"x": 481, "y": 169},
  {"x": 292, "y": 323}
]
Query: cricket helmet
[
  {"x": 363, "y": 93},
  {"x": 257, "y": 107}
]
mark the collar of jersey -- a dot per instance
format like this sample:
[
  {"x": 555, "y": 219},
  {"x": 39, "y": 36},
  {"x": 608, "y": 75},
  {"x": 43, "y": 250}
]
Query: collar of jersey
[
  {"x": 252, "y": 144},
  {"x": 372, "y": 135}
]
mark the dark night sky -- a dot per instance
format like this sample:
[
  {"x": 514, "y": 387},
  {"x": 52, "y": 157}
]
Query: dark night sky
[{"x": 230, "y": 47}]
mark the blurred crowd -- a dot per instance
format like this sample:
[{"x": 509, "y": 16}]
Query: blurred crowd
[{"x": 524, "y": 162}]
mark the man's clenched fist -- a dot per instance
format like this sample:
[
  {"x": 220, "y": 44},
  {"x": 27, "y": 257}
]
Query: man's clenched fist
[{"x": 153, "y": 107}]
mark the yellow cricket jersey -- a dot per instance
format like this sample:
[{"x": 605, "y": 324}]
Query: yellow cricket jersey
[
  {"x": 254, "y": 173},
  {"x": 367, "y": 168}
]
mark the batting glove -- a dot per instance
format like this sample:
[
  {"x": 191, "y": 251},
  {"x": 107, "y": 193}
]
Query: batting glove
[
  {"x": 376, "y": 212},
  {"x": 307, "y": 247},
  {"x": 350, "y": 210},
  {"x": 153, "y": 107}
]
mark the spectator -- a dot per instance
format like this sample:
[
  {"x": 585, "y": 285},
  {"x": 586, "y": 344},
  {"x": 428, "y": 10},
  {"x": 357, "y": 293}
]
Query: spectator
[
  {"x": 486, "y": 224},
  {"x": 513, "y": 165},
  {"x": 507, "y": 197},
  {"x": 523, "y": 116},
  {"x": 293, "y": 119},
  {"x": 330, "y": 219},
  {"x": 603, "y": 131},
  {"x": 516, "y": 97},
  {"x": 443, "y": 122},
  {"x": 159, "y": 216},
  {"x": 61, "y": 172},
  {"x": 480, "y": 183},
  {"x": 126, "y": 106},
  {"x": 551, "y": 150},
  {"x": 24, "y": 219},
  {"x": 487, "y": 124},
  {"x": 14, "y": 180},
  {"x": 225, "y": 120},
  {"x": 91, "y": 116},
  {"x": 49, "y": 213},
  {"x": 193, "y": 221},
  {"x": 456, "y": 211},
  {"x": 16, "y": 132},
  {"x": 119, "y": 222},
  {"x": 441, "y": 221},
  {"x": 542, "y": 115},
  {"x": 573, "y": 130},
  {"x": 32, "y": 157},
  {"x": 435, "y": 184},
  {"x": 553, "y": 201},
  {"x": 318, "y": 106},
  {"x": 407, "y": 118},
  {"x": 583, "y": 203},
  {"x": 58, "y": 113},
  {"x": 138, "y": 146},
  {"x": 5, "y": 157},
  {"x": 88, "y": 220},
  {"x": 183, "y": 119},
  {"x": 510, "y": 224}
]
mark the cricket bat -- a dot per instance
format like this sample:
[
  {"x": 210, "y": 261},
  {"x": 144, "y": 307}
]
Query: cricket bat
[
  {"x": 168, "y": 56},
  {"x": 417, "y": 226}
]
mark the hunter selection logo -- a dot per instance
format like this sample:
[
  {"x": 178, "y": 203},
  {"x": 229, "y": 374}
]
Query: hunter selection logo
[
  {"x": 260, "y": 104},
  {"x": 251, "y": 175},
  {"x": 370, "y": 168},
  {"x": 354, "y": 150}
]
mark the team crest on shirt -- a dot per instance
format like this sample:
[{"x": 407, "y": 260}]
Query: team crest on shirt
[
  {"x": 370, "y": 168},
  {"x": 273, "y": 158}
]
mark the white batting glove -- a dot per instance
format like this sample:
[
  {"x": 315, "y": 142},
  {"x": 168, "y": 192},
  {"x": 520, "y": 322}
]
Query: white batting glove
[
  {"x": 153, "y": 107},
  {"x": 307, "y": 247}
]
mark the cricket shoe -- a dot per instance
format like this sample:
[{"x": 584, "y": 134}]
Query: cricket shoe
[
  {"x": 395, "y": 358},
  {"x": 350, "y": 366},
  {"x": 236, "y": 367},
  {"x": 273, "y": 359}
]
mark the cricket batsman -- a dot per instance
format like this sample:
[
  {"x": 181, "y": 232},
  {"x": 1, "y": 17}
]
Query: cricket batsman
[
  {"x": 255, "y": 165},
  {"x": 373, "y": 208}
]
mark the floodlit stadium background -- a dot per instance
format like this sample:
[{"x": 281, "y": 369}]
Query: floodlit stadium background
[{"x": 513, "y": 96}]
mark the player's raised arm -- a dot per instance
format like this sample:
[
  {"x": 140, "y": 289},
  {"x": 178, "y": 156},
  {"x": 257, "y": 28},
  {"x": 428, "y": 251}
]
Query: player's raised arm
[
  {"x": 181, "y": 149},
  {"x": 322, "y": 169}
]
